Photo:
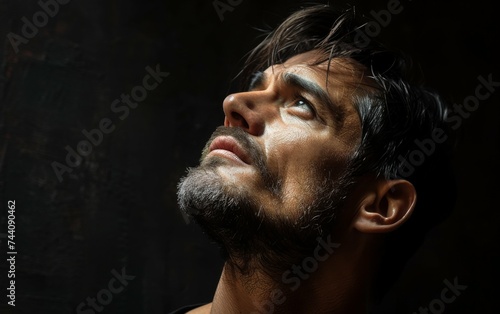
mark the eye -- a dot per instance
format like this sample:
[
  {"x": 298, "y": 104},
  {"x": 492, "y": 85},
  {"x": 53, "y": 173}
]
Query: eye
[
  {"x": 303, "y": 103},
  {"x": 303, "y": 108}
]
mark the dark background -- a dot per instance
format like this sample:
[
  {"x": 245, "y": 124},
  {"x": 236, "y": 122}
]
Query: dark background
[{"x": 118, "y": 208}]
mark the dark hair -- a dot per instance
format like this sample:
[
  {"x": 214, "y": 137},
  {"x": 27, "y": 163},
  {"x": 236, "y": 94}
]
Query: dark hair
[{"x": 399, "y": 113}]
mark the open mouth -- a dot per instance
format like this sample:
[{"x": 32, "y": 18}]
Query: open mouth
[{"x": 227, "y": 146}]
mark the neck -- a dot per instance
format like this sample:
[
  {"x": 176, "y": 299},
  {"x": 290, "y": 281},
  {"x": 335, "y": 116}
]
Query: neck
[{"x": 326, "y": 283}]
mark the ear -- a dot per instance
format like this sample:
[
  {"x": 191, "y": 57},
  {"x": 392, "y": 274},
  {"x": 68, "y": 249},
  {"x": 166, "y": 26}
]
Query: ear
[{"x": 385, "y": 206}]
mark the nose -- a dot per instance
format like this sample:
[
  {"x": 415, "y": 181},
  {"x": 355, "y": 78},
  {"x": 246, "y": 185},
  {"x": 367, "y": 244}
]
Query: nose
[{"x": 241, "y": 110}]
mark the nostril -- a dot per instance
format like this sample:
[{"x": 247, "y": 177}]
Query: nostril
[{"x": 238, "y": 117}]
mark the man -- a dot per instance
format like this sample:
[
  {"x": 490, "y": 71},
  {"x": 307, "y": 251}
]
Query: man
[{"x": 311, "y": 185}]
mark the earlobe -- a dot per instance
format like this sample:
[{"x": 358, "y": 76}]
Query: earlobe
[{"x": 386, "y": 206}]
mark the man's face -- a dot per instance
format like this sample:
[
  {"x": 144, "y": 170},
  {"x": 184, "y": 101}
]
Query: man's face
[{"x": 277, "y": 160}]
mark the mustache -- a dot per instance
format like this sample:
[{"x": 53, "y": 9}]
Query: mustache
[{"x": 248, "y": 144}]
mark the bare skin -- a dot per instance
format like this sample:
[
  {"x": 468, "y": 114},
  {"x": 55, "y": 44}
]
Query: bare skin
[{"x": 301, "y": 138}]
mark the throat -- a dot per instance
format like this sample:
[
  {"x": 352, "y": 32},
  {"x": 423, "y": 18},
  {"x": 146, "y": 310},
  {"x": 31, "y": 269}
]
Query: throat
[{"x": 299, "y": 290}]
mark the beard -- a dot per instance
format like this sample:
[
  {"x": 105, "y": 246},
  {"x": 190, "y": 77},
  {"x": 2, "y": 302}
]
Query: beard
[{"x": 249, "y": 236}]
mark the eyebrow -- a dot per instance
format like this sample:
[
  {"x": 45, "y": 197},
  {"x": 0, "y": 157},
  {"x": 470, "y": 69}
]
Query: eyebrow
[
  {"x": 257, "y": 80},
  {"x": 338, "y": 112}
]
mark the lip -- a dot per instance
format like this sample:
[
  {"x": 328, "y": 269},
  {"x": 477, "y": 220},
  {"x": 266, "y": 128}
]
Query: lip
[{"x": 227, "y": 146}]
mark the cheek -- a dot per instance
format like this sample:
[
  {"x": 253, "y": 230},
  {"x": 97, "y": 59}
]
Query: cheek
[
  {"x": 302, "y": 161},
  {"x": 301, "y": 153},
  {"x": 287, "y": 149}
]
